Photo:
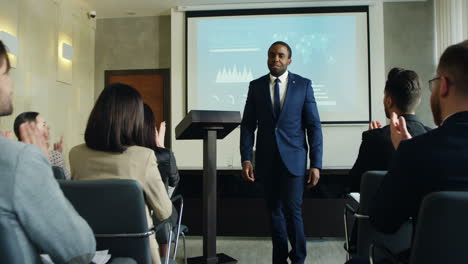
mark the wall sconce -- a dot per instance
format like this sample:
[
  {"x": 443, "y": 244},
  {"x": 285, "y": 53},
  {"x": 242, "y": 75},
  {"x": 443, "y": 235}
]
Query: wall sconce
[
  {"x": 11, "y": 42},
  {"x": 64, "y": 60},
  {"x": 67, "y": 51}
]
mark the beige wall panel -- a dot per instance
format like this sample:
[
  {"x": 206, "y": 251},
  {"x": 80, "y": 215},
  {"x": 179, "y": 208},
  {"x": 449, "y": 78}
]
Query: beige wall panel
[
  {"x": 9, "y": 23},
  {"x": 65, "y": 24},
  {"x": 41, "y": 25}
]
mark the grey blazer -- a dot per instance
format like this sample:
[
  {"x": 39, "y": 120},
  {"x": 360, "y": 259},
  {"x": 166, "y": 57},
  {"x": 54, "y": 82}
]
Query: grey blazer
[{"x": 34, "y": 209}]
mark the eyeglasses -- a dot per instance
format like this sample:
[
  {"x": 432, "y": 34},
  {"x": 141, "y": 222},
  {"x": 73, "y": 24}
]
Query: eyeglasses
[{"x": 431, "y": 83}]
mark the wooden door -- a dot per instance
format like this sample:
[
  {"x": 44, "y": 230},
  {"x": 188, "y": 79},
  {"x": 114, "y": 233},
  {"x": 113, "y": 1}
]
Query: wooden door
[{"x": 153, "y": 86}]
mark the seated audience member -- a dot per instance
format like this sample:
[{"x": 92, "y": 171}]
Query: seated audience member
[
  {"x": 167, "y": 168},
  {"x": 402, "y": 95},
  {"x": 165, "y": 157},
  {"x": 32, "y": 205},
  {"x": 434, "y": 161},
  {"x": 113, "y": 136},
  {"x": 55, "y": 155}
]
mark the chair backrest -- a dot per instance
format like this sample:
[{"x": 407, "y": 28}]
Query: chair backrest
[
  {"x": 113, "y": 207},
  {"x": 367, "y": 234},
  {"x": 442, "y": 229},
  {"x": 59, "y": 173}
]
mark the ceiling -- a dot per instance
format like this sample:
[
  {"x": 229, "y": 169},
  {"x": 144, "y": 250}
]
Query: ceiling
[{"x": 129, "y": 8}]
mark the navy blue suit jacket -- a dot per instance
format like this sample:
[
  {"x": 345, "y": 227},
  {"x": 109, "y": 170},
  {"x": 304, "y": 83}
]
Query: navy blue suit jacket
[
  {"x": 299, "y": 116},
  {"x": 376, "y": 150},
  {"x": 434, "y": 161}
]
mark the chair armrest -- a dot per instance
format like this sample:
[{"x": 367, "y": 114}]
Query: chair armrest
[
  {"x": 162, "y": 223},
  {"x": 349, "y": 209},
  {"x": 128, "y": 235},
  {"x": 181, "y": 209},
  {"x": 177, "y": 197},
  {"x": 387, "y": 253}
]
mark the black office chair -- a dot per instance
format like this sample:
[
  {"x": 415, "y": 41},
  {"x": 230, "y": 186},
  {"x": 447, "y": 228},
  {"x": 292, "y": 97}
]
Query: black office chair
[
  {"x": 442, "y": 232},
  {"x": 366, "y": 233},
  {"x": 59, "y": 173},
  {"x": 116, "y": 212}
]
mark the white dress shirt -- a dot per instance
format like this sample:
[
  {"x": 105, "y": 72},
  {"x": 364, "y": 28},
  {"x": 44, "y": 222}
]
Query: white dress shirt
[{"x": 283, "y": 86}]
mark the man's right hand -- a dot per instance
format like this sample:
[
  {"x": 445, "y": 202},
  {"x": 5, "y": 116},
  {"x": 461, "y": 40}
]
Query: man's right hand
[
  {"x": 247, "y": 171},
  {"x": 398, "y": 130},
  {"x": 161, "y": 134},
  {"x": 59, "y": 145},
  {"x": 30, "y": 134}
]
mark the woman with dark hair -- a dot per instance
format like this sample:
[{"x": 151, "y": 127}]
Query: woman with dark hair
[
  {"x": 113, "y": 136},
  {"x": 167, "y": 168},
  {"x": 55, "y": 156},
  {"x": 165, "y": 157}
]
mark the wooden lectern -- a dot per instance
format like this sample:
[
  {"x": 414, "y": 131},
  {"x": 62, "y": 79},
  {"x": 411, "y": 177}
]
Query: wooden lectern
[{"x": 209, "y": 126}]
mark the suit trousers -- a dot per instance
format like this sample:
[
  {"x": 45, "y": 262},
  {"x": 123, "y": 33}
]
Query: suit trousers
[{"x": 284, "y": 193}]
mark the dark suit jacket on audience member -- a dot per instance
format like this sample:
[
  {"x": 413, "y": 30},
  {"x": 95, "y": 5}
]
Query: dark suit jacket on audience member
[
  {"x": 167, "y": 166},
  {"x": 434, "y": 161},
  {"x": 376, "y": 149}
]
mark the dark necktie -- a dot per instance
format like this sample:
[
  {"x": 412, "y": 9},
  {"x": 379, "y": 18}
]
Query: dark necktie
[{"x": 276, "y": 103}]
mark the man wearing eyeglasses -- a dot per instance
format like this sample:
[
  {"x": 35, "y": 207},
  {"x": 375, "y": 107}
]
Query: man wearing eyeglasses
[{"x": 435, "y": 161}]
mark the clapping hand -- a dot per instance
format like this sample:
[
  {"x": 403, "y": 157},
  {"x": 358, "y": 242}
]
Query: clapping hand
[
  {"x": 398, "y": 130},
  {"x": 7, "y": 134},
  {"x": 160, "y": 134},
  {"x": 374, "y": 125},
  {"x": 58, "y": 146},
  {"x": 30, "y": 134}
]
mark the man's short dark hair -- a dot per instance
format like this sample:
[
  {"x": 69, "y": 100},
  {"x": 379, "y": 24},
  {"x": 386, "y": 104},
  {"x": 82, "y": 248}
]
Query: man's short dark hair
[
  {"x": 454, "y": 61},
  {"x": 403, "y": 86},
  {"x": 284, "y": 44},
  {"x": 149, "y": 128},
  {"x": 116, "y": 121},
  {"x": 24, "y": 117}
]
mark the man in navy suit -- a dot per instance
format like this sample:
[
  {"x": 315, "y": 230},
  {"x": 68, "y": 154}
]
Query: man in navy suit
[
  {"x": 282, "y": 108},
  {"x": 434, "y": 161}
]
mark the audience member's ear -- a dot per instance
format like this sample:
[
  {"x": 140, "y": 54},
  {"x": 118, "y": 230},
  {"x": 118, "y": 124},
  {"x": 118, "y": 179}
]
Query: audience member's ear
[
  {"x": 444, "y": 87},
  {"x": 389, "y": 102},
  {"x": 419, "y": 102}
]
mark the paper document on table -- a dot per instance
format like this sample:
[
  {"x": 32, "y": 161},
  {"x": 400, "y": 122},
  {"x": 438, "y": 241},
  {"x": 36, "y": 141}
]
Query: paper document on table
[
  {"x": 101, "y": 257},
  {"x": 356, "y": 196}
]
